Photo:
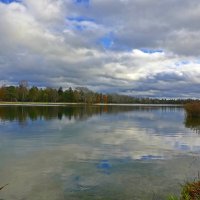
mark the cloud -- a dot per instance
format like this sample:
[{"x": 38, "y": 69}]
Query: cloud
[{"x": 130, "y": 47}]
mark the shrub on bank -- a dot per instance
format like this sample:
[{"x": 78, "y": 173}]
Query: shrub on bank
[
  {"x": 192, "y": 109},
  {"x": 190, "y": 191}
]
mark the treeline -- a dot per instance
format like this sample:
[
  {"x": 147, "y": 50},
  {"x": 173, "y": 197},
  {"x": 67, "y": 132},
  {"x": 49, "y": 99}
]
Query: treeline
[
  {"x": 116, "y": 98},
  {"x": 23, "y": 93}
]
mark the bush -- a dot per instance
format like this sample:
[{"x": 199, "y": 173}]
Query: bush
[
  {"x": 190, "y": 191},
  {"x": 192, "y": 109}
]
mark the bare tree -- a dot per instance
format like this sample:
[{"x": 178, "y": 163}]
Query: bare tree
[{"x": 23, "y": 88}]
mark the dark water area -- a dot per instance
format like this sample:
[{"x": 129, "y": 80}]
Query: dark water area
[{"x": 96, "y": 152}]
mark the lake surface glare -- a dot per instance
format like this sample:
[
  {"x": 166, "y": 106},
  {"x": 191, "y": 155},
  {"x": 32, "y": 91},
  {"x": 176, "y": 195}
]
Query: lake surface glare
[{"x": 95, "y": 152}]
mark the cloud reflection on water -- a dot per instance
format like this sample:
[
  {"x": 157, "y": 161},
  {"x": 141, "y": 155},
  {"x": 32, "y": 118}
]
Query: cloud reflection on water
[{"x": 86, "y": 150}]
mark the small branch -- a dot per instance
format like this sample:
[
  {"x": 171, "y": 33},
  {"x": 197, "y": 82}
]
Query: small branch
[{"x": 1, "y": 188}]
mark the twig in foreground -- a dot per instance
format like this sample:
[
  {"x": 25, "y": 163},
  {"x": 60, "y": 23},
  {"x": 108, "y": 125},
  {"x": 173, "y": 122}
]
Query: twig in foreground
[{"x": 1, "y": 188}]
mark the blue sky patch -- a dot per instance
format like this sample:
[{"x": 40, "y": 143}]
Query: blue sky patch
[
  {"x": 107, "y": 41},
  {"x": 80, "y": 19},
  {"x": 79, "y": 28},
  {"x": 84, "y": 2},
  {"x": 151, "y": 51},
  {"x": 9, "y": 1},
  {"x": 183, "y": 62},
  {"x": 197, "y": 61},
  {"x": 78, "y": 22}
]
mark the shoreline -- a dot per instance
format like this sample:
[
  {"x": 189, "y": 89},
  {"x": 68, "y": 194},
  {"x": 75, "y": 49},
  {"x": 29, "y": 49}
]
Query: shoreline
[
  {"x": 37, "y": 104},
  {"x": 69, "y": 104}
]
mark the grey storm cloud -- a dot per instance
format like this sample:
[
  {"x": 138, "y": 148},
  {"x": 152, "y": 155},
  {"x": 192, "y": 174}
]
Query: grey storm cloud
[{"x": 135, "y": 47}]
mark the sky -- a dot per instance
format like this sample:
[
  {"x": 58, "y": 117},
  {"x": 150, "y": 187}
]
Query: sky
[{"x": 143, "y": 48}]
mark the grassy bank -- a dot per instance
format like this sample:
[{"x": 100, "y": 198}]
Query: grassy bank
[{"x": 192, "y": 109}]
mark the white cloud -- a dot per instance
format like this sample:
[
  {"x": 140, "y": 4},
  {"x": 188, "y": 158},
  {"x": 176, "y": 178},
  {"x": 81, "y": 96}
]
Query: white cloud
[{"x": 47, "y": 10}]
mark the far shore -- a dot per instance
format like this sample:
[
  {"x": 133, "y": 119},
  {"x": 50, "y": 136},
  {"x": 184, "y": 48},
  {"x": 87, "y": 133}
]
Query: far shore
[
  {"x": 65, "y": 104},
  {"x": 36, "y": 104}
]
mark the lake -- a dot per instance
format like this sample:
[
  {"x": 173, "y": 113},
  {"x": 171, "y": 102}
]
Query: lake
[{"x": 96, "y": 152}]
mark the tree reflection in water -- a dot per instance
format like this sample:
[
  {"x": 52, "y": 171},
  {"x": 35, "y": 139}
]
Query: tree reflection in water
[
  {"x": 23, "y": 114},
  {"x": 193, "y": 123},
  {"x": 192, "y": 117}
]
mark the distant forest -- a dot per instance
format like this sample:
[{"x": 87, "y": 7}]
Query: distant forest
[{"x": 23, "y": 93}]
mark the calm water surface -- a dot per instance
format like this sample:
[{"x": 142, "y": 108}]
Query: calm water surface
[{"x": 96, "y": 152}]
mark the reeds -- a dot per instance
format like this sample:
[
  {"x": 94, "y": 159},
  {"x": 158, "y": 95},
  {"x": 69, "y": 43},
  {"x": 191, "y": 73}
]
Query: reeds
[
  {"x": 190, "y": 191},
  {"x": 192, "y": 109}
]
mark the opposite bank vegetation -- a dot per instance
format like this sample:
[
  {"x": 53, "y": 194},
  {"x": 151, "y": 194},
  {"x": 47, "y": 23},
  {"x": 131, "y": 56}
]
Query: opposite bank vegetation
[{"x": 23, "y": 93}]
